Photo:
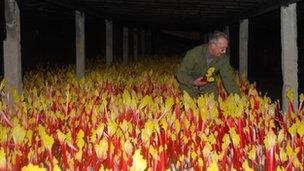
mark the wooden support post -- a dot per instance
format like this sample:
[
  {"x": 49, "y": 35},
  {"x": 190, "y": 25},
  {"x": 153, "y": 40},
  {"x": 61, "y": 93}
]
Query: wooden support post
[
  {"x": 109, "y": 43},
  {"x": 135, "y": 44},
  {"x": 289, "y": 53},
  {"x": 12, "y": 50},
  {"x": 149, "y": 42},
  {"x": 80, "y": 43},
  {"x": 243, "y": 48},
  {"x": 125, "y": 44},
  {"x": 143, "y": 38}
]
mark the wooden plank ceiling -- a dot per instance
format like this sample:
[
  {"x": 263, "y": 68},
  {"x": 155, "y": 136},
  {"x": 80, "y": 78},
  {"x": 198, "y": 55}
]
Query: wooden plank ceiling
[{"x": 175, "y": 13}]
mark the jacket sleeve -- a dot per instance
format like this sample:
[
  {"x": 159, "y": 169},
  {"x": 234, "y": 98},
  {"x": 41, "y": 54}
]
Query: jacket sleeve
[
  {"x": 226, "y": 73},
  {"x": 183, "y": 72}
]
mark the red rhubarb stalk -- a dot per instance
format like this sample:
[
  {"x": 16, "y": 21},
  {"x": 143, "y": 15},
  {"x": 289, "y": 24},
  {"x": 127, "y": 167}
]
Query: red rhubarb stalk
[
  {"x": 241, "y": 133},
  {"x": 64, "y": 155},
  {"x": 270, "y": 159}
]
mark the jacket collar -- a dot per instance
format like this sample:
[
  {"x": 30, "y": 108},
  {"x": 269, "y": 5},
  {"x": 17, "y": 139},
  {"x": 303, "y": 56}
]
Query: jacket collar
[{"x": 204, "y": 51}]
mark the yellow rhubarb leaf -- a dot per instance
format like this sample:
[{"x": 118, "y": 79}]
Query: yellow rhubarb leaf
[
  {"x": 48, "y": 141},
  {"x": 187, "y": 123},
  {"x": 181, "y": 158},
  {"x": 101, "y": 148},
  {"x": 96, "y": 93},
  {"x": 301, "y": 98},
  {"x": 2, "y": 159},
  {"x": 280, "y": 168},
  {"x": 177, "y": 126},
  {"x": 193, "y": 155},
  {"x": 93, "y": 136},
  {"x": 128, "y": 147},
  {"x": 300, "y": 129},
  {"x": 3, "y": 134},
  {"x": 290, "y": 152},
  {"x": 210, "y": 79},
  {"x": 185, "y": 139},
  {"x": 145, "y": 101},
  {"x": 210, "y": 70},
  {"x": 234, "y": 136},
  {"x": 100, "y": 129},
  {"x": 78, "y": 155},
  {"x": 297, "y": 163},
  {"x": 18, "y": 134},
  {"x": 61, "y": 136},
  {"x": 29, "y": 134},
  {"x": 153, "y": 152},
  {"x": 290, "y": 95},
  {"x": 102, "y": 168},
  {"x": 56, "y": 168},
  {"x": 293, "y": 129},
  {"x": 270, "y": 140},
  {"x": 211, "y": 139},
  {"x": 226, "y": 141},
  {"x": 139, "y": 163},
  {"x": 147, "y": 131},
  {"x": 69, "y": 138},
  {"x": 281, "y": 136},
  {"x": 213, "y": 167},
  {"x": 200, "y": 162},
  {"x": 246, "y": 166},
  {"x": 252, "y": 153},
  {"x": 164, "y": 124},
  {"x": 112, "y": 148},
  {"x": 31, "y": 167},
  {"x": 168, "y": 104},
  {"x": 126, "y": 126},
  {"x": 207, "y": 150},
  {"x": 283, "y": 155},
  {"x": 215, "y": 156},
  {"x": 79, "y": 141},
  {"x": 173, "y": 137},
  {"x": 112, "y": 127},
  {"x": 126, "y": 97},
  {"x": 188, "y": 101}
]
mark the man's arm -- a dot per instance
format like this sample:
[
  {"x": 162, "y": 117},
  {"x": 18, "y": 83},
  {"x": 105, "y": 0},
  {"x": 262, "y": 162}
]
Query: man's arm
[
  {"x": 183, "y": 72},
  {"x": 226, "y": 72}
]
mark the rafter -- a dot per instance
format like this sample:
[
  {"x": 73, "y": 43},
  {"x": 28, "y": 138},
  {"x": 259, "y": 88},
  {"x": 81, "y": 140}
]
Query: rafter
[{"x": 164, "y": 12}]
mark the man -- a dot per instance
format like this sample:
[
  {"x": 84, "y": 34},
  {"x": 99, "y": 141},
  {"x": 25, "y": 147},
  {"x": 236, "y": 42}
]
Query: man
[{"x": 192, "y": 72}]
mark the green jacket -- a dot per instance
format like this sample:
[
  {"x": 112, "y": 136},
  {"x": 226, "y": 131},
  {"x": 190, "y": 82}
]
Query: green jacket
[{"x": 194, "y": 65}]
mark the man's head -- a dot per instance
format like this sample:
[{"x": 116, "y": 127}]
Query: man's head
[{"x": 218, "y": 43}]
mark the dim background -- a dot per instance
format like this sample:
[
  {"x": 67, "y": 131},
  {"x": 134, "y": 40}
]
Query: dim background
[{"x": 49, "y": 39}]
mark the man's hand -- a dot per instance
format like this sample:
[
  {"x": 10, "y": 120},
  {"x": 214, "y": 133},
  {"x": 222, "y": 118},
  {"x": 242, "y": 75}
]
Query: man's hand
[{"x": 200, "y": 81}]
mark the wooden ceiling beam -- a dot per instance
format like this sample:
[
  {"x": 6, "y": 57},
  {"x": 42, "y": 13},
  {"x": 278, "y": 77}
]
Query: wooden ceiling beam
[
  {"x": 269, "y": 6},
  {"x": 163, "y": 12}
]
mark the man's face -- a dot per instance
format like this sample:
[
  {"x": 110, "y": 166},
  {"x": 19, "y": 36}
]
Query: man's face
[{"x": 219, "y": 48}]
